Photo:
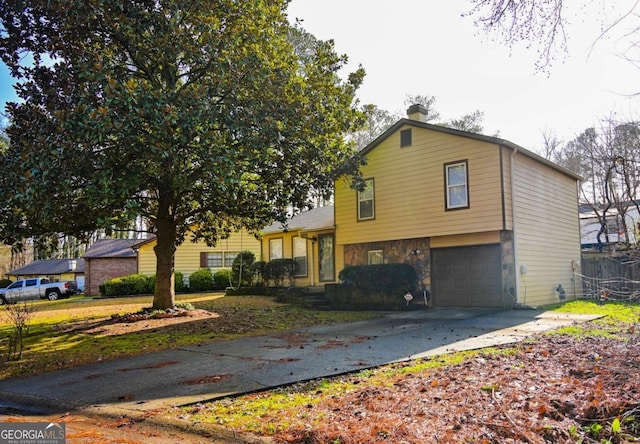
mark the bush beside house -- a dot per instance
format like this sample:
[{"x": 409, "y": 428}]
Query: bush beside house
[
  {"x": 371, "y": 287},
  {"x": 135, "y": 284}
]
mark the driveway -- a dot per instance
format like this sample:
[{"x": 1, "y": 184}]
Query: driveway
[{"x": 198, "y": 373}]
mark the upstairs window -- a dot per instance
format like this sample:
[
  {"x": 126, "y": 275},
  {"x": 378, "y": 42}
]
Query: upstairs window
[
  {"x": 405, "y": 138},
  {"x": 457, "y": 185},
  {"x": 366, "y": 207}
]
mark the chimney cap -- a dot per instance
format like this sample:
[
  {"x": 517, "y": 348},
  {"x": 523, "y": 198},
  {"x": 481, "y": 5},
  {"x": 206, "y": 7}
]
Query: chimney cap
[{"x": 418, "y": 112}]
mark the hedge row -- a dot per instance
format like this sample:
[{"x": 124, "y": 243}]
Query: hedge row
[
  {"x": 381, "y": 278},
  {"x": 136, "y": 284}
]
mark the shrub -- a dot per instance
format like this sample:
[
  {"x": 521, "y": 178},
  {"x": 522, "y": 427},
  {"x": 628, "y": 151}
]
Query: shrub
[
  {"x": 4, "y": 283},
  {"x": 381, "y": 278},
  {"x": 280, "y": 271},
  {"x": 222, "y": 279},
  {"x": 178, "y": 281},
  {"x": 241, "y": 268},
  {"x": 137, "y": 283},
  {"x": 201, "y": 280},
  {"x": 257, "y": 272},
  {"x": 151, "y": 283}
]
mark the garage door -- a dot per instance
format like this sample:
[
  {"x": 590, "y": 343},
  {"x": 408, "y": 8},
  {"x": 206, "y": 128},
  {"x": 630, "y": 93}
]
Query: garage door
[{"x": 466, "y": 276}]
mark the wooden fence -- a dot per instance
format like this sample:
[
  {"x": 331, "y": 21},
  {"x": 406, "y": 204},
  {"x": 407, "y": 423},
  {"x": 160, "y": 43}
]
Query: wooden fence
[{"x": 610, "y": 276}]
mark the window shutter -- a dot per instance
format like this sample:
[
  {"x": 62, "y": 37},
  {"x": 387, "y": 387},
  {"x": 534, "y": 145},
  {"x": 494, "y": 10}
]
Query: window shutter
[{"x": 203, "y": 259}]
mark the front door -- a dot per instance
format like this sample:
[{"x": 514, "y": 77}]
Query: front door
[{"x": 326, "y": 252}]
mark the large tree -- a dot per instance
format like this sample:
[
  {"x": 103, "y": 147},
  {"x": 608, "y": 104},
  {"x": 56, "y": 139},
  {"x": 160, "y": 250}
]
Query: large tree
[{"x": 197, "y": 115}]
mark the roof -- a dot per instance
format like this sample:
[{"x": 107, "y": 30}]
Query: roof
[
  {"x": 319, "y": 218},
  {"x": 489, "y": 139},
  {"x": 113, "y": 248},
  {"x": 49, "y": 267}
]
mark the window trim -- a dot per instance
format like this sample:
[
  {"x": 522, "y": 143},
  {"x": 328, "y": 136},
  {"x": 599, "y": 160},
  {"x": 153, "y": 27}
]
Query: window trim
[
  {"x": 271, "y": 243},
  {"x": 304, "y": 273},
  {"x": 373, "y": 200},
  {"x": 375, "y": 252},
  {"x": 447, "y": 187},
  {"x": 406, "y": 138}
]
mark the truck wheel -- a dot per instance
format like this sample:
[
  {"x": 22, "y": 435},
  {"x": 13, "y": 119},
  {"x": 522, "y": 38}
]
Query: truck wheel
[
  {"x": 3, "y": 300},
  {"x": 53, "y": 295}
]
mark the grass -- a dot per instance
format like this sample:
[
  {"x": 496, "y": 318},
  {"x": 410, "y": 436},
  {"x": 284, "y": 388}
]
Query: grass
[
  {"x": 266, "y": 413},
  {"x": 66, "y": 333}
]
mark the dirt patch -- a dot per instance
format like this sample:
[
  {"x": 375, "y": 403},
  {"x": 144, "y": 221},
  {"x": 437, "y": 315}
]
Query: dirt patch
[{"x": 135, "y": 322}]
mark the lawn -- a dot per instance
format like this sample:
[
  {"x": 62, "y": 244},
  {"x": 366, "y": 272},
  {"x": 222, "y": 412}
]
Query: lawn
[{"x": 79, "y": 330}]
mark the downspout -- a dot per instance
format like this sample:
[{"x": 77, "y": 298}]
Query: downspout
[
  {"x": 311, "y": 266},
  {"x": 514, "y": 219}
]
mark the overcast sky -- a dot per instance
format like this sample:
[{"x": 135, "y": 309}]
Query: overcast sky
[{"x": 425, "y": 47}]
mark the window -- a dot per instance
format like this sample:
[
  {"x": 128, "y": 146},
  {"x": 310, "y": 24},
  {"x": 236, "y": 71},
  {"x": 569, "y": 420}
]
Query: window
[
  {"x": 405, "y": 138},
  {"x": 366, "y": 201},
  {"x": 214, "y": 260},
  {"x": 31, "y": 283},
  {"x": 229, "y": 257},
  {"x": 375, "y": 257},
  {"x": 300, "y": 255},
  {"x": 457, "y": 191},
  {"x": 217, "y": 259},
  {"x": 275, "y": 249}
]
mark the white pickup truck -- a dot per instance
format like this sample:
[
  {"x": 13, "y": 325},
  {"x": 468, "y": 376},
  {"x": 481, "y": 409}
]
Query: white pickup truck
[{"x": 36, "y": 288}]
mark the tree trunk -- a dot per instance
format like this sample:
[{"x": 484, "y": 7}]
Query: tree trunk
[{"x": 164, "y": 296}]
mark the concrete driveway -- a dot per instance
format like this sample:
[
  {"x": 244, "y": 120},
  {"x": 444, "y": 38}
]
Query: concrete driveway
[{"x": 198, "y": 373}]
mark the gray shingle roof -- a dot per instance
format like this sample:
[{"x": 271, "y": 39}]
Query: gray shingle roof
[
  {"x": 113, "y": 248},
  {"x": 316, "y": 219},
  {"x": 49, "y": 267}
]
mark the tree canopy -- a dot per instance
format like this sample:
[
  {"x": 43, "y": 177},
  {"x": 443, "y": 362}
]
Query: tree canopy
[
  {"x": 543, "y": 24},
  {"x": 198, "y": 116}
]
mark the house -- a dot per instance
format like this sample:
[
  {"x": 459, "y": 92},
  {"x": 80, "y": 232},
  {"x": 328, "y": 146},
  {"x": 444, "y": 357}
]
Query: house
[
  {"x": 484, "y": 221},
  {"x": 56, "y": 270},
  {"x": 309, "y": 239},
  {"x": 191, "y": 256},
  {"x": 107, "y": 259},
  {"x": 621, "y": 230}
]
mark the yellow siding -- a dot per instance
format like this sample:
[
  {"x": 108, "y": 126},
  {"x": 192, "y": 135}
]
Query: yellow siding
[
  {"x": 410, "y": 190},
  {"x": 188, "y": 253},
  {"x": 465, "y": 240},
  {"x": 547, "y": 233},
  {"x": 313, "y": 268}
]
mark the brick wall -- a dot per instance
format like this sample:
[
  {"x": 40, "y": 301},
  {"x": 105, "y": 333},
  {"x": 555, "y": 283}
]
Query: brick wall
[{"x": 99, "y": 270}]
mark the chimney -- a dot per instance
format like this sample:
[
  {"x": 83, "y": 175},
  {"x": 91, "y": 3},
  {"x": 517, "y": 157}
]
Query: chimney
[
  {"x": 72, "y": 265},
  {"x": 417, "y": 112}
]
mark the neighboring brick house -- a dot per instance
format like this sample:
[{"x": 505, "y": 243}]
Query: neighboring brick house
[{"x": 107, "y": 259}]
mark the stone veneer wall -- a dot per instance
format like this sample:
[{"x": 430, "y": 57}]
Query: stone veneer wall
[
  {"x": 409, "y": 251},
  {"x": 508, "y": 269}
]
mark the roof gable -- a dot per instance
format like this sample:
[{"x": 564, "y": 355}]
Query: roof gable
[
  {"x": 48, "y": 267},
  {"x": 113, "y": 248},
  {"x": 454, "y": 132}
]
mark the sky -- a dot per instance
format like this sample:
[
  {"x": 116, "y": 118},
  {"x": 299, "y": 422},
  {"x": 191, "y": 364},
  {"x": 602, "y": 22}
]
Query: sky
[{"x": 423, "y": 47}]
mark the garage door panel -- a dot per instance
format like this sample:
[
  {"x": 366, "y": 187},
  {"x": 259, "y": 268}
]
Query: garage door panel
[{"x": 467, "y": 276}]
